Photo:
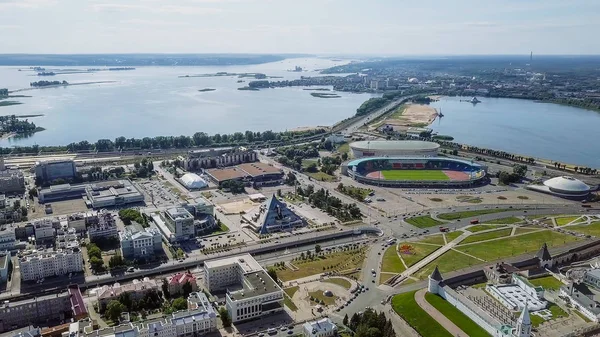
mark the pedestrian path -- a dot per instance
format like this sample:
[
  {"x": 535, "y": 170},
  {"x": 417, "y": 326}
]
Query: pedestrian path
[{"x": 436, "y": 315}]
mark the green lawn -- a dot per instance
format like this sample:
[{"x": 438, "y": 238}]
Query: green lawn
[
  {"x": 452, "y": 235},
  {"x": 449, "y": 261},
  {"x": 384, "y": 277},
  {"x": 418, "y": 252},
  {"x": 548, "y": 282},
  {"x": 487, "y": 236},
  {"x": 318, "y": 295},
  {"x": 406, "y": 306},
  {"x": 556, "y": 311},
  {"x": 321, "y": 176},
  {"x": 287, "y": 298},
  {"x": 341, "y": 260},
  {"x": 565, "y": 220},
  {"x": 414, "y": 175},
  {"x": 344, "y": 148},
  {"x": 461, "y": 320},
  {"x": 468, "y": 214},
  {"x": 479, "y": 228},
  {"x": 339, "y": 281},
  {"x": 423, "y": 221},
  {"x": 437, "y": 239},
  {"x": 391, "y": 263},
  {"x": 522, "y": 230},
  {"x": 516, "y": 245},
  {"x": 591, "y": 229},
  {"x": 508, "y": 221}
]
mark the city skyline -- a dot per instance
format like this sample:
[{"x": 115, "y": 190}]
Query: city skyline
[{"x": 326, "y": 27}]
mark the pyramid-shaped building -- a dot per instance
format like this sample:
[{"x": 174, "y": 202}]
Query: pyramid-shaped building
[{"x": 273, "y": 215}]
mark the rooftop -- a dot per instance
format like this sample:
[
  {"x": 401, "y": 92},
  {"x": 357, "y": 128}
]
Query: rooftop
[
  {"x": 228, "y": 173},
  {"x": 112, "y": 189},
  {"x": 258, "y": 169},
  {"x": 245, "y": 261},
  {"x": 177, "y": 213},
  {"x": 182, "y": 278},
  {"x": 117, "y": 289},
  {"x": 322, "y": 325},
  {"x": 394, "y": 145},
  {"x": 254, "y": 284}
]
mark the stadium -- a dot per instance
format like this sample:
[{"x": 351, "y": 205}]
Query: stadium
[
  {"x": 416, "y": 172},
  {"x": 394, "y": 148}
]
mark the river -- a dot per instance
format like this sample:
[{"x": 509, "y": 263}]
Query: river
[
  {"x": 524, "y": 127},
  {"x": 154, "y": 101}
]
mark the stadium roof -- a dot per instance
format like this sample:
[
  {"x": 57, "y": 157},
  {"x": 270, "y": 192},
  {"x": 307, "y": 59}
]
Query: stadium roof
[
  {"x": 566, "y": 183},
  {"x": 408, "y": 159},
  {"x": 394, "y": 145}
]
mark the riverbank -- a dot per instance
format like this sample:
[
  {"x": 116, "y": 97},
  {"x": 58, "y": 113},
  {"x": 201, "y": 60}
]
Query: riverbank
[{"x": 406, "y": 116}]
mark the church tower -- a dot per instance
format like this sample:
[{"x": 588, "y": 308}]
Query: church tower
[
  {"x": 523, "y": 324},
  {"x": 434, "y": 281}
]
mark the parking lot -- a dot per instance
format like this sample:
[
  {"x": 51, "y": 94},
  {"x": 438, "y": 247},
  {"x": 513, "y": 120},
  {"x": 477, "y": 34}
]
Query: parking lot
[{"x": 158, "y": 193}]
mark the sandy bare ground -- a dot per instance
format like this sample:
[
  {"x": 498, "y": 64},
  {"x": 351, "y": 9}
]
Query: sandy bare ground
[{"x": 414, "y": 114}]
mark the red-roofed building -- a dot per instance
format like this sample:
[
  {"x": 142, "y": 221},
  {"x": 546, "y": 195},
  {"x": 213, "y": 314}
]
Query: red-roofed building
[
  {"x": 77, "y": 305},
  {"x": 177, "y": 281}
]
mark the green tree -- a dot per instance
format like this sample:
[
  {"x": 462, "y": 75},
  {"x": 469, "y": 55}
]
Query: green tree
[
  {"x": 317, "y": 249},
  {"x": 96, "y": 264},
  {"x": 125, "y": 299},
  {"x": 345, "y": 321},
  {"x": 165, "y": 288},
  {"x": 179, "y": 303},
  {"x": 94, "y": 251},
  {"x": 273, "y": 273},
  {"x": 114, "y": 309},
  {"x": 225, "y": 318},
  {"x": 187, "y": 289},
  {"x": 116, "y": 261},
  {"x": 33, "y": 193}
]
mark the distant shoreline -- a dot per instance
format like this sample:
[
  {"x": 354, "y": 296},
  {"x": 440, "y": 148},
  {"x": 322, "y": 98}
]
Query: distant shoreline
[{"x": 61, "y": 85}]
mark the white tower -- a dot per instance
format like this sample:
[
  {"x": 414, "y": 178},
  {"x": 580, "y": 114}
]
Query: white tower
[
  {"x": 523, "y": 324},
  {"x": 544, "y": 256},
  {"x": 434, "y": 281}
]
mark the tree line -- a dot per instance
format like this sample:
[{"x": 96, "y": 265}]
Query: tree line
[
  {"x": 330, "y": 204},
  {"x": 370, "y": 324},
  {"x": 47, "y": 83},
  {"x": 199, "y": 139}
]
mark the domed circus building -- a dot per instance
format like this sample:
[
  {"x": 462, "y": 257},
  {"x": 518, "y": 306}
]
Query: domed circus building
[{"x": 565, "y": 187}]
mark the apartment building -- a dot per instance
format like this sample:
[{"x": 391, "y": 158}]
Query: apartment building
[
  {"x": 136, "y": 290},
  {"x": 4, "y": 265},
  {"x": 105, "y": 228},
  {"x": 42, "y": 309},
  {"x": 41, "y": 264},
  {"x": 11, "y": 181},
  {"x": 7, "y": 237},
  {"x": 250, "y": 292}
]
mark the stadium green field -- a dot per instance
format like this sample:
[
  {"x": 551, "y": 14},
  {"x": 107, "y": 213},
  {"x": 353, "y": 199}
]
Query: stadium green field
[{"x": 414, "y": 175}]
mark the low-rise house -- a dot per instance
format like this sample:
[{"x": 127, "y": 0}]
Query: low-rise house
[
  {"x": 136, "y": 290},
  {"x": 320, "y": 328},
  {"x": 177, "y": 281}
]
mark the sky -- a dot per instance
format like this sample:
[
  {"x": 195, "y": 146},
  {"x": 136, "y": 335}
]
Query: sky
[{"x": 341, "y": 27}]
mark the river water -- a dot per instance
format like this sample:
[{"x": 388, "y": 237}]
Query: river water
[
  {"x": 153, "y": 101},
  {"x": 525, "y": 127}
]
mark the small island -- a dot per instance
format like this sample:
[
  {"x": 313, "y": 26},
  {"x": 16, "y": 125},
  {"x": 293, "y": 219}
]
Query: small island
[
  {"x": 324, "y": 95},
  {"x": 207, "y": 89},
  {"x": 317, "y": 89},
  {"x": 47, "y": 83},
  {"x": 249, "y": 88},
  {"x": 11, "y": 126}
]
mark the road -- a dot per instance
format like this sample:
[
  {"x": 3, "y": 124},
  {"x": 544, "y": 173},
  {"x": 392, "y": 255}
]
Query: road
[{"x": 373, "y": 115}]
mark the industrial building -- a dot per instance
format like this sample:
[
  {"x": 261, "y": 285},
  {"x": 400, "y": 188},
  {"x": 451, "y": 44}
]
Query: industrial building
[
  {"x": 272, "y": 216},
  {"x": 259, "y": 174},
  {"x": 112, "y": 193},
  {"x": 45, "y": 263},
  {"x": 140, "y": 243},
  {"x": 394, "y": 148},
  {"x": 212, "y": 158},
  {"x": 50, "y": 170},
  {"x": 45, "y": 309},
  {"x": 61, "y": 192},
  {"x": 250, "y": 292}
]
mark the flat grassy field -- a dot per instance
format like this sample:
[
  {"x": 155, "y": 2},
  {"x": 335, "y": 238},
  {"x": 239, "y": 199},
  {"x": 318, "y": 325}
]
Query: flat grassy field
[
  {"x": 479, "y": 228},
  {"x": 452, "y": 235},
  {"x": 565, "y": 220},
  {"x": 437, "y": 239},
  {"x": 321, "y": 176},
  {"x": 291, "y": 291},
  {"x": 391, "y": 263},
  {"x": 406, "y": 306},
  {"x": 344, "y": 148},
  {"x": 468, "y": 214},
  {"x": 548, "y": 282},
  {"x": 523, "y": 230},
  {"x": 287, "y": 298},
  {"x": 339, "y": 281},
  {"x": 449, "y": 261},
  {"x": 461, "y": 320},
  {"x": 414, "y": 175},
  {"x": 423, "y": 221},
  {"x": 487, "y": 236},
  {"x": 516, "y": 245},
  {"x": 343, "y": 260},
  {"x": 591, "y": 229},
  {"x": 508, "y": 221},
  {"x": 318, "y": 295},
  {"x": 418, "y": 252}
]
